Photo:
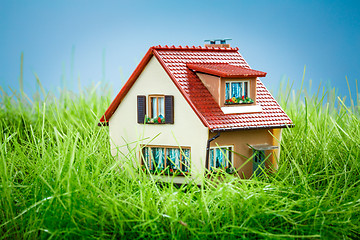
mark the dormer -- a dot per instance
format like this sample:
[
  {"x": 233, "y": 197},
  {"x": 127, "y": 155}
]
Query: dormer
[{"x": 232, "y": 86}]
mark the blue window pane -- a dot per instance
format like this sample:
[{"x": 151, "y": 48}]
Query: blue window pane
[
  {"x": 220, "y": 159},
  {"x": 173, "y": 158},
  {"x": 225, "y": 158},
  {"x": 211, "y": 158},
  {"x": 185, "y": 160},
  {"x": 153, "y": 107},
  {"x": 227, "y": 90},
  {"x": 235, "y": 90},
  {"x": 147, "y": 157},
  {"x": 245, "y": 89},
  {"x": 158, "y": 157},
  {"x": 161, "y": 107}
]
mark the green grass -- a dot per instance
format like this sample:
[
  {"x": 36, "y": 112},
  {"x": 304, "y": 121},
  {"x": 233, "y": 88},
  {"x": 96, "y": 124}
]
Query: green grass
[{"x": 58, "y": 179}]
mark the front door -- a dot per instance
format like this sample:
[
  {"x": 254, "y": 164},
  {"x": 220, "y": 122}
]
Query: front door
[{"x": 258, "y": 162}]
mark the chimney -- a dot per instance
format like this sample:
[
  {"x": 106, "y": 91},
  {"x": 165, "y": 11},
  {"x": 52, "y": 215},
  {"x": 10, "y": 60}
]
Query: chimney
[{"x": 221, "y": 43}]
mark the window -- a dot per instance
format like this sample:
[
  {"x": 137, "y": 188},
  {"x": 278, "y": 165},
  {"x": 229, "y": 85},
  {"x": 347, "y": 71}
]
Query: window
[
  {"x": 220, "y": 157},
  {"x": 160, "y": 108},
  {"x": 157, "y": 107},
  {"x": 237, "y": 92},
  {"x": 166, "y": 160}
]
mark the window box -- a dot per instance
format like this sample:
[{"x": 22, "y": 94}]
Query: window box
[
  {"x": 156, "y": 120},
  {"x": 242, "y": 100},
  {"x": 237, "y": 92}
]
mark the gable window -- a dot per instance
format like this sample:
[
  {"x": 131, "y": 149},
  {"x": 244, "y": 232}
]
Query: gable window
[
  {"x": 237, "y": 92},
  {"x": 160, "y": 109},
  {"x": 220, "y": 157},
  {"x": 166, "y": 160},
  {"x": 157, "y": 106}
]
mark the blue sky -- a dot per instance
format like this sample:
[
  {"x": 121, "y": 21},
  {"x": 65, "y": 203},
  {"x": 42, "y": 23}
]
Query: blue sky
[{"x": 93, "y": 41}]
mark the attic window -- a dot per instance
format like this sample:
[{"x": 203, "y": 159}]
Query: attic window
[{"x": 237, "y": 92}]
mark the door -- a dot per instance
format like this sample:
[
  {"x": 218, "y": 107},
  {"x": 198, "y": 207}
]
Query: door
[{"x": 258, "y": 162}]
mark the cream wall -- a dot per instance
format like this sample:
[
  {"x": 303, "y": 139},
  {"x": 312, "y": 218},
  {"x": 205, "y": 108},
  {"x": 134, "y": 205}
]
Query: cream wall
[
  {"x": 126, "y": 135},
  {"x": 241, "y": 139}
]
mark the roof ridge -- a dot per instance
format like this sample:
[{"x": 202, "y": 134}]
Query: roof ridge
[{"x": 192, "y": 48}]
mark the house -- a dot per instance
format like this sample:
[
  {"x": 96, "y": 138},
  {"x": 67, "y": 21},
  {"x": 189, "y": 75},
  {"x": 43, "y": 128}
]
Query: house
[{"x": 187, "y": 109}]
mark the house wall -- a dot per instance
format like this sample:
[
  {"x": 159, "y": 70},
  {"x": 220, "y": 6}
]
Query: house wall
[
  {"x": 212, "y": 83},
  {"x": 241, "y": 139},
  {"x": 126, "y": 135},
  {"x": 276, "y": 142}
]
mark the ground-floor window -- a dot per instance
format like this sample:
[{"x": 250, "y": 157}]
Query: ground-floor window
[
  {"x": 221, "y": 157},
  {"x": 166, "y": 160}
]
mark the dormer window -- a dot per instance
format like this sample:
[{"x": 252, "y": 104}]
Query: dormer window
[{"x": 237, "y": 92}]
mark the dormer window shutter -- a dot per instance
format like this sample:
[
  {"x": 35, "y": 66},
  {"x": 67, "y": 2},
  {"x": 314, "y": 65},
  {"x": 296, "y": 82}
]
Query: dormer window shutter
[
  {"x": 141, "y": 109},
  {"x": 169, "y": 109}
]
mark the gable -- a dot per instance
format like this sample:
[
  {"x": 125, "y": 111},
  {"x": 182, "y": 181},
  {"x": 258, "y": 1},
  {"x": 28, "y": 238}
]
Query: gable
[{"x": 153, "y": 80}]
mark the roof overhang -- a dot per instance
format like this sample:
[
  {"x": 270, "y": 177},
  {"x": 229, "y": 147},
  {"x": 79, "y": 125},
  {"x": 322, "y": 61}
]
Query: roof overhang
[
  {"x": 263, "y": 147},
  {"x": 124, "y": 90},
  {"x": 225, "y": 70},
  {"x": 252, "y": 127},
  {"x": 104, "y": 121}
]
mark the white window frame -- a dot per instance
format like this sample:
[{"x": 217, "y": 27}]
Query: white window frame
[
  {"x": 230, "y": 151},
  {"x": 243, "y": 89}
]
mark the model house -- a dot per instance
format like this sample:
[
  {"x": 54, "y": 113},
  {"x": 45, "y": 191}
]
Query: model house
[{"x": 187, "y": 109}]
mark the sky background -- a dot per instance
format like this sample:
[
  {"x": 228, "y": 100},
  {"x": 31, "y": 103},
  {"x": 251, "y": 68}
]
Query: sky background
[{"x": 93, "y": 41}]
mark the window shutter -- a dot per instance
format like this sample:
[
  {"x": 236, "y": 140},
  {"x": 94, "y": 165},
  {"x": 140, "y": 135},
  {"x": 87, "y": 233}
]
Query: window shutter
[
  {"x": 169, "y": 109},
  {"x": 141, "y": 109}
]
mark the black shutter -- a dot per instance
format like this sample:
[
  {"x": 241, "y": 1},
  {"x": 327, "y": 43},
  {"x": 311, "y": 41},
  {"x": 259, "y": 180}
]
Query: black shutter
[
  {"x": 141, "y": 109},
  {"x": 169, "y": 109}
]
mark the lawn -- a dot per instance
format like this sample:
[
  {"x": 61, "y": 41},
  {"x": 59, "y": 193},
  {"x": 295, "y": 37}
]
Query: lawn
[{"x": 58, "y": 179}]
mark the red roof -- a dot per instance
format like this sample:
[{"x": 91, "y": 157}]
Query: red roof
[
  {"x": 225, "y": 70},
  {"x": 175, "y": 60}
]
